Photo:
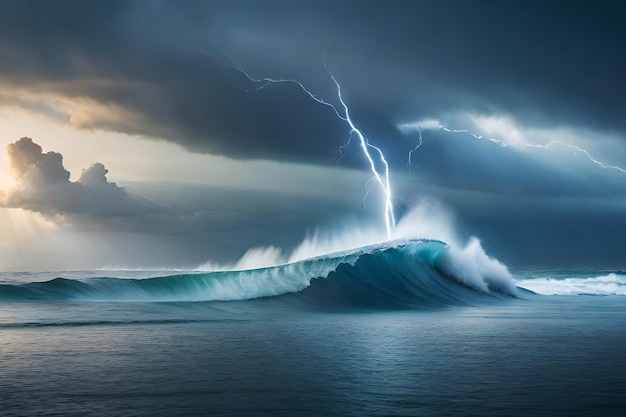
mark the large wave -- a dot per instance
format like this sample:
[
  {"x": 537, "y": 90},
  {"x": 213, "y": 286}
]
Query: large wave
[{"x": 401, "y": 273}]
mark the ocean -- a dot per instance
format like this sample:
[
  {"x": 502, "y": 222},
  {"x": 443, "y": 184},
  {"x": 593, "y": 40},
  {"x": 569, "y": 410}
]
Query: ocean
[{"x": 407, "y": 328}]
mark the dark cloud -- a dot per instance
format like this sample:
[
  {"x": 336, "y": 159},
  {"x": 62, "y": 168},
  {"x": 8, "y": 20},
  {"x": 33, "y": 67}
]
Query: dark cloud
[
  {"x": 544, "y": 62},
  {"x": 135, "y": 84}
]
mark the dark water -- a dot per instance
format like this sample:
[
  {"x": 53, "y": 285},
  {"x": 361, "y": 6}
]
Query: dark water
[
  {"x": 545, "y": 355},
  {"x": 412, "y": 328}
]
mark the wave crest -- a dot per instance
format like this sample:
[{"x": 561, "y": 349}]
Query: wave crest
[{"x": 394, "y": 274}]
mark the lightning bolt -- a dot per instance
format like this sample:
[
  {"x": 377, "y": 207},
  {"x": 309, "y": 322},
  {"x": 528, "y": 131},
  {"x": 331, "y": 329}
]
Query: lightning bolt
[
  {"x": 416, "y": 147},
  {"x": 382, "y": 177},
  {"x": 496, "y": 141},
  {"x": 549, "y": 146},
  {"x": 577, "y": 150}
]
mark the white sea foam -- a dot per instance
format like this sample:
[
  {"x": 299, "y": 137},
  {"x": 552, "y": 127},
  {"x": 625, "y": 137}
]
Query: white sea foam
[
  {"x": 467, "y": 262},
  {"x": 471, "y": 265},
  {"x": 426, "y": 220},
  {"x": 611, "y": 284}
]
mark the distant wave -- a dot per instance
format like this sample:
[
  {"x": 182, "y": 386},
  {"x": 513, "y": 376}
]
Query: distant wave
[
  {"x": 575, "y": 283},
  {"x": 394, "y": 274}
]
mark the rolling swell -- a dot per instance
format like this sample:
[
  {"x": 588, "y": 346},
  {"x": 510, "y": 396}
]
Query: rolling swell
[{"x": 394, "y": 275}]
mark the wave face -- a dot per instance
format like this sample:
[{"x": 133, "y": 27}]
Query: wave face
[{"x": 409, "y": 273}]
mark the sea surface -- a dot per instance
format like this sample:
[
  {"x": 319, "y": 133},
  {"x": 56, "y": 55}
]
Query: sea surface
[{"x": 403, "y": 329}]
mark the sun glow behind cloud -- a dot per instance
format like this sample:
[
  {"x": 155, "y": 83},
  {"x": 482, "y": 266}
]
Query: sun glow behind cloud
[{"x": 165, "y": 174}]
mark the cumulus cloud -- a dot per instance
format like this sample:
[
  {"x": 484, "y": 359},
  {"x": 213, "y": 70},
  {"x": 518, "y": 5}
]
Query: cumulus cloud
[
  {"x": 158, "y": 224},
  {"x": 42, "y": 184}
]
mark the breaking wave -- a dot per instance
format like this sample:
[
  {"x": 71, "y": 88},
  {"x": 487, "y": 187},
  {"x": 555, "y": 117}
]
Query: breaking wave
[{"x": 398, "y": 274}]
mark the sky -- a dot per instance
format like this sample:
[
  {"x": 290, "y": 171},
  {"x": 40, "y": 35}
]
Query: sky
[{"x": 135, "y": 134}]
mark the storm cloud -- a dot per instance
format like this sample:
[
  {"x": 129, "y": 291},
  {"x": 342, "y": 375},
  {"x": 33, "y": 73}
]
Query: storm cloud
[
  {"x": 151, "y": 68},
  {"x": 552, "y": 70}
]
